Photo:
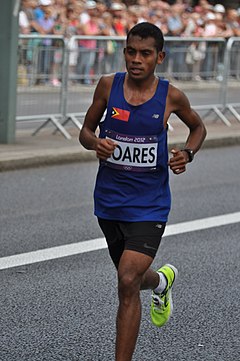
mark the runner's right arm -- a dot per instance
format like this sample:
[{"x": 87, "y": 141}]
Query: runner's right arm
[{"x": 88, "y": 138}]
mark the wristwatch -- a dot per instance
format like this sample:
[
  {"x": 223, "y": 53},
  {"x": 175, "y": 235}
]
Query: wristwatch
[{"x": 190, "y": 153}]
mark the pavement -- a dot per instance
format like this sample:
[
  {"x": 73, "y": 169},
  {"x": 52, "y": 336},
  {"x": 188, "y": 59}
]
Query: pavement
[{"x": 46, "y": 148}]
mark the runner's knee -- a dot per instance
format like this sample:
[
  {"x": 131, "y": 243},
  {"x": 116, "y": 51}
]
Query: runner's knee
[{"x": 128, "y": 284}]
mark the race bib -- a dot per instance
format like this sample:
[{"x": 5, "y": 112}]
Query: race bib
[{"x": 133, "y": 152}]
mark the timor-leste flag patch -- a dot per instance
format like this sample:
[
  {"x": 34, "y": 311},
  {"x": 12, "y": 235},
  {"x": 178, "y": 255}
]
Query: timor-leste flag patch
[{"x": 120, "y": 114}]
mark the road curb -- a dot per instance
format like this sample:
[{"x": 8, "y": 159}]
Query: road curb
[{"x": 46, "y": 160}]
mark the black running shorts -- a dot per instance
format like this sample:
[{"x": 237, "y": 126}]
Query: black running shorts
[{"x": 143, "y": 237}]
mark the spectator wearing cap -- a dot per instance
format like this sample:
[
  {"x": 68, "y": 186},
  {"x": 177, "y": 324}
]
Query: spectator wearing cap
[
  {"x": 219, "y": 8},
  {"x": 39, "y": 12},
  {"x": 223, "y": 29},
  {"x": 87, "y": 48},
  {"x": 119, "y": 18},
  {"x": 210, "y": 29},
  {"x": 219, "y": 11}
]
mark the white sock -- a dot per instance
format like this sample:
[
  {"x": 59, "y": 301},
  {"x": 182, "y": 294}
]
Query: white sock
[{"x": 162, "y": 283}]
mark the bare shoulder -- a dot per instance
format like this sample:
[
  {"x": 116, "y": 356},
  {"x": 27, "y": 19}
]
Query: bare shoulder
[
  {"x": 177, "y": 99},
  {"x": 100, "y": 100},
  {"x": 107, "y": 79},
  {"x": 173, "y": 90},
  {"x": 104, "y": 86}
]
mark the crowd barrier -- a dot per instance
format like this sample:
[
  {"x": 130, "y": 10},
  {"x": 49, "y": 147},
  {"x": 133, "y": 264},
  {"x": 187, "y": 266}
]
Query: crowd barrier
[{"x": 58, "y": 65}]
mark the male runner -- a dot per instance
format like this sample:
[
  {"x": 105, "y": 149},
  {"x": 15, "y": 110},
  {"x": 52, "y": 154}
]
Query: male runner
[{"x": 132, "y": 195}]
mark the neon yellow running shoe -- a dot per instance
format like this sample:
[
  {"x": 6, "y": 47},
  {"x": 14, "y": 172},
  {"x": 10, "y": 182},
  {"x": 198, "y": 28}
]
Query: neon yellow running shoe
[{"x": 162, "y": 305}]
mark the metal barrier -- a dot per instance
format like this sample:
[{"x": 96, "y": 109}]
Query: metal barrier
[
  {"x": 231, "y": 66},
  {"x": 41, "y": 59},
  {"x": 204, "y": 60},
  {"x": 83, "y": 59}
]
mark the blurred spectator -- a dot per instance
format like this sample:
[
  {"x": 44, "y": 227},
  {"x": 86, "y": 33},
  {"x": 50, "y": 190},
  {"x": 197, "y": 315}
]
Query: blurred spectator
[
  {"x": 223, "y": 29},
  {"x": 203, "y": 7},
  {"x": 133, "y": 18},
  {"x": 174, "y": 17},
  {"x": 27, "y": 17},
  {"x": 39, "y": 12},
  {"x": 24, "y": 24},
  {"x": 195, "y": 55},
  {"x": 219, "y": 9},
  {"x": 232, "y": 20},
  {"x": 175, "y": 21},
  {"x": 107, "y": 28},
  {"x": 233, "y": 25},
  {"x": 210, "y": 29},
  {"x": 177, "y": 51},
  {"x": 119, "y": 18},
  {"x": 57, "y": 45},
  {"x": 46, "y": 23},
  {"x": 180, "y": 18},
  {"x": 101, "y": 8},
  {"x": 71, "y": 28},
  {"x": 196, "y": 52},
  {"x": 59, "y": 9},
  {"x": 88, "y": 48}
]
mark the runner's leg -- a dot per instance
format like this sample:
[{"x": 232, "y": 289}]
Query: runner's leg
[{"x": 133, "y": 265}]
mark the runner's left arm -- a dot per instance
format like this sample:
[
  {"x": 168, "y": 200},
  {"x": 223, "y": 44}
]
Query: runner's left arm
[{"x": 197, "y": 131}]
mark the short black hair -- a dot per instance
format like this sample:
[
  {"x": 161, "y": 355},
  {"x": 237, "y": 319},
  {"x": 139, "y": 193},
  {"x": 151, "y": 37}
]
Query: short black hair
[{"x": 147, "y": 30}]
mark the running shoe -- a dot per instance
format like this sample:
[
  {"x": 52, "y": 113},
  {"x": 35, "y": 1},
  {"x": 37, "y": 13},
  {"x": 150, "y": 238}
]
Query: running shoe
[{"x": 162, "y": 305}]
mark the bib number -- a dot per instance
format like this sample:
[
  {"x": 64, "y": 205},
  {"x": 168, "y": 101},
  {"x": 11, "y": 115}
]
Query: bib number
[{"x": 133, "y": 153}]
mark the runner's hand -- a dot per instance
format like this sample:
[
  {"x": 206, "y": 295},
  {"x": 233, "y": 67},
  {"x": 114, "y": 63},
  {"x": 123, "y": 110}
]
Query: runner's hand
[
  {"x": 178, "y": 161},
  {"x": 105, "y": 148}
]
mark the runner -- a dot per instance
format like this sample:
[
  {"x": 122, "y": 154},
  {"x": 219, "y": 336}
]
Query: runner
[{"x": 132, "y": 194}]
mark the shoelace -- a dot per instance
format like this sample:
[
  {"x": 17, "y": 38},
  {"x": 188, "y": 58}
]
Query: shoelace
[{"x": 158, "y": 303}]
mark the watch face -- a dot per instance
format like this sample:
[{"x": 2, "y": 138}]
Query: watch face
[{"x": 190, "y": 154}]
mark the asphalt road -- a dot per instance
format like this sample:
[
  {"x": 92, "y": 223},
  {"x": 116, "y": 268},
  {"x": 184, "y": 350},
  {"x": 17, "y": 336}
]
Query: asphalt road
[{"x": 64, "y": 309}]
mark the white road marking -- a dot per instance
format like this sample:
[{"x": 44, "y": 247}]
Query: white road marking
[{"x": 100, "y": 243}]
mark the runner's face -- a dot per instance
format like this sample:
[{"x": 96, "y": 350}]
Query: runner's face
[{"x": 141, "y": 57}]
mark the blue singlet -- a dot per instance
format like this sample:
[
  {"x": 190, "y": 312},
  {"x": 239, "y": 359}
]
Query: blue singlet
[{"x": 133, "y": 185}]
